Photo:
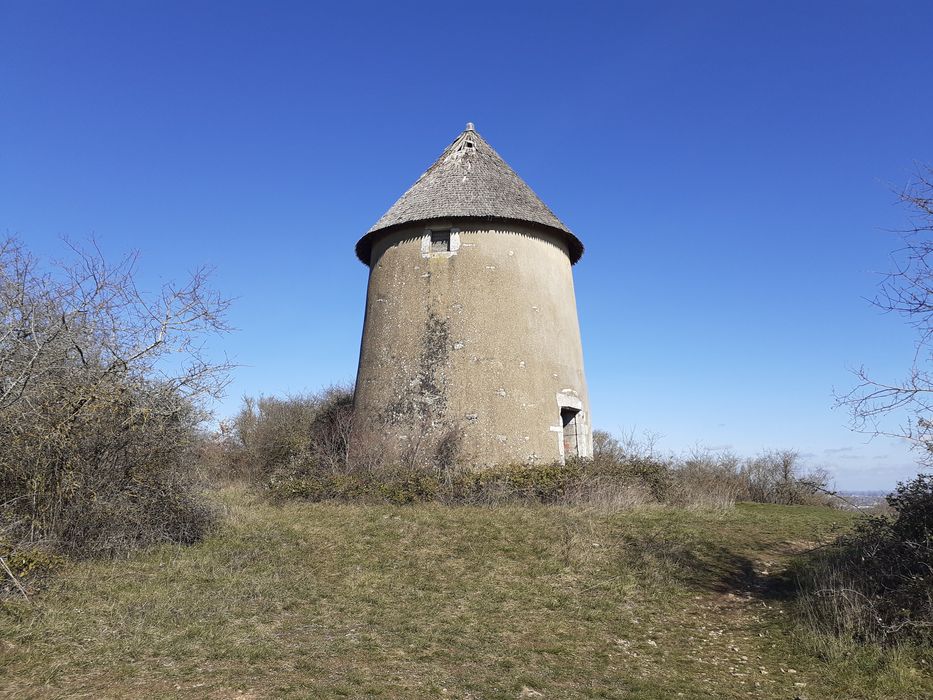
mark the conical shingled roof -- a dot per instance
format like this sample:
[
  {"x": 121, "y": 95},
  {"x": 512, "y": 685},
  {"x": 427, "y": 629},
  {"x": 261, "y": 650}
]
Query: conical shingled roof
[{"x": 469, "y": 180}]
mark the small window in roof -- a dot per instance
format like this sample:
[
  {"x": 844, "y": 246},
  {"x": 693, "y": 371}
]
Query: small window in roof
[{"x": 440, "y": 241}]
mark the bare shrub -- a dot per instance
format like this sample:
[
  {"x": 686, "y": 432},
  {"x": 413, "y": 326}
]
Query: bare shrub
[
  {"x": 777, "y": 477},
  {"x": 213, "y": 462},
  {"x": 707, "y": 480},
  {"x": 631, "y": 462},
  {"x": 304, "y": 434},
  {"x": 329, "y": 433},
  {"x": 101, "y": 390},
  {"x": 271, "y": 431},
  {"x": 704, "y": 479},
  {"x": 606, "y": 448}
]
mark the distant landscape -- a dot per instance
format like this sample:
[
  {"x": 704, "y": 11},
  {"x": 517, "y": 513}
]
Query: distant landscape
[{"x": 862, "y": 500}]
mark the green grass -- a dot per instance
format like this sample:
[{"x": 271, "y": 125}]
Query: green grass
[{"x": 308, "y": 601}]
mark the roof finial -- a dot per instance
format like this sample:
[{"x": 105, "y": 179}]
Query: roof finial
[{"x": 470, "y": 126}]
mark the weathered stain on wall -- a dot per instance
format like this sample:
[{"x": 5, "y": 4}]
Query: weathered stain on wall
[{"x": 422, "y": 399}]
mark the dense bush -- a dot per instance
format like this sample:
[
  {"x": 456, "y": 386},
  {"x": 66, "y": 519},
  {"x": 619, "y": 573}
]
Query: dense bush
[
  {"x": 301, "y": 435},
  {"x": 99, "y": 406},
  {"x": 875, "y": 584},
  {"x": 542, "y": 483},
  {"x": 577, "y": 483},
  {"x": 321, "y": 487}
]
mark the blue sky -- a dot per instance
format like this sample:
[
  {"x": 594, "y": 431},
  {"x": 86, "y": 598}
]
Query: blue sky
[{"x": 728, "y": 166}]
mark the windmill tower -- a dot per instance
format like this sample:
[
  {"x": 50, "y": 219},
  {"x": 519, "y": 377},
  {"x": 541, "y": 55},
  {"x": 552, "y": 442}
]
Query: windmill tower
[{"x": 471, "y": 342}]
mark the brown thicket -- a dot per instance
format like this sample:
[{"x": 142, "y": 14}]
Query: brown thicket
[
  {"x": 101, "y": 390},
  {"x": 269, "y": 434}
]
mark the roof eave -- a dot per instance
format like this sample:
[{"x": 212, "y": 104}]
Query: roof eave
[{"x": 365, "y": 245}]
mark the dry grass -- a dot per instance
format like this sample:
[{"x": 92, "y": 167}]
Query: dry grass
[
  {"x": 606, "y": 495},
  {"x": 327, "y": 600}
]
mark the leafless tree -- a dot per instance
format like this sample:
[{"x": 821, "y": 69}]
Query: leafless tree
[
  {"x": 102, "y": 387},
  {"x": 907, "y": 290},
  {"x": 777, "y": 476}
]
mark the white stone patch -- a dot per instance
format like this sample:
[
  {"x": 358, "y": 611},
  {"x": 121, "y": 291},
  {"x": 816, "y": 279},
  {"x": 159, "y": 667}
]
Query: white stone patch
[
  {"x": 568, "y": 398},
  {"x": 559, "y": 434}
]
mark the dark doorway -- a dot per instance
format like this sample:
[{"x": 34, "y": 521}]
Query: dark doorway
[{"x": 568, "y": 418}]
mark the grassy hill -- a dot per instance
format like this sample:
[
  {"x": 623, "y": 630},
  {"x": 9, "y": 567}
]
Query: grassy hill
[{"x": 325, "y": 600}]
